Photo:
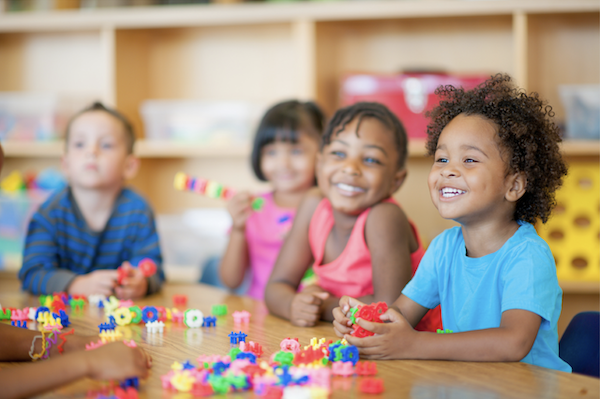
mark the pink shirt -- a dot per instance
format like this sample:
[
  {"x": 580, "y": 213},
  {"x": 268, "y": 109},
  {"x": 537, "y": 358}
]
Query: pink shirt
[
  {"x": 351, "y": 273},
  {"x": 265, "y": 232}
]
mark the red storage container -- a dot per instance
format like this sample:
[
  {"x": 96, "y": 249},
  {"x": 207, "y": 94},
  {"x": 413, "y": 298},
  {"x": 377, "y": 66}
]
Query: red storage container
[{"x": 407, "y": 95}]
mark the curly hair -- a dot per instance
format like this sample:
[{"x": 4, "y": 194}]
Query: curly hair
[
  {"x": 361, "y": 110},
  {"x": 526, "y": 132}
]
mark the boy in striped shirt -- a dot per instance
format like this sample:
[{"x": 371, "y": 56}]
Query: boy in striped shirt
[{"x": 83, "y": 233}]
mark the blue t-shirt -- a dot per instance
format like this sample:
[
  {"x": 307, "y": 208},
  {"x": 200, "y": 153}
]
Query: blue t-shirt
[
  {"x": 474, "y": 292},
  {"x": 60, "y": 245}
]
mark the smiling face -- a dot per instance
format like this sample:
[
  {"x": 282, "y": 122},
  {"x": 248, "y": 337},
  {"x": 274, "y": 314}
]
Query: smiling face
[
  {"x": 469, "y": 182},
  {"x": 97, "y": 155},
  {"x": 358, "y": 169},
  {"x": 288, "y": 166}
]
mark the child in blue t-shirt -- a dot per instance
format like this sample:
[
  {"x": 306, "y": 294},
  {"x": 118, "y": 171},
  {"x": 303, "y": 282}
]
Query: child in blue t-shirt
[{"x": 496, "y": 167}]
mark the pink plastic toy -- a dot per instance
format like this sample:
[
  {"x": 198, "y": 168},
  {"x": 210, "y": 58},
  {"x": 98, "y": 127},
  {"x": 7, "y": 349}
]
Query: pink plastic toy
[
  {"x": 290, "y": 345},
  {"x": 241, "y": 317},
  {"x": 345, "y": 369}
]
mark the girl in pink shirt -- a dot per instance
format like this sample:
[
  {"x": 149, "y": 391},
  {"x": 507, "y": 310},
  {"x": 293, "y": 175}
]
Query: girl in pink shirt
[
  {"x": 284, "y": 153},
  {"x": 355, "y": 236}
]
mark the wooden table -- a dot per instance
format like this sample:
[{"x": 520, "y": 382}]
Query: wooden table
[{"x": 403, "y": 379}]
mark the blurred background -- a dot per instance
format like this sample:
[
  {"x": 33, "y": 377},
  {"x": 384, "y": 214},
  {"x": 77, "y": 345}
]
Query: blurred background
[{"x": 195, "y": 78}]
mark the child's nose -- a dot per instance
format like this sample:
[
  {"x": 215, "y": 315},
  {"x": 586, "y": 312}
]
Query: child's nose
[
  {"x": 450, "y": 171},
  {"x": 351, "y": 167}
]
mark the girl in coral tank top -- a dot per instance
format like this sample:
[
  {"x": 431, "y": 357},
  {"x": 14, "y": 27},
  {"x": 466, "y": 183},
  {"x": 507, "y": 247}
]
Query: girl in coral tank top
[{"x": 355, "y": 236}]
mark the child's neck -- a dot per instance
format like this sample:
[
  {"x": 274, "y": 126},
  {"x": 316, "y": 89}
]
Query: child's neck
[
  {"x": 486, "y": 238},
  {"x": 96, "y": 205},
  {"x": 288, "y": 199}
]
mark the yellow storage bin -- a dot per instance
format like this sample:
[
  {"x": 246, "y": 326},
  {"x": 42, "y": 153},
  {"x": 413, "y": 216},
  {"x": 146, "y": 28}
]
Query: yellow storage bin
[{"x": 573, "y": 231}]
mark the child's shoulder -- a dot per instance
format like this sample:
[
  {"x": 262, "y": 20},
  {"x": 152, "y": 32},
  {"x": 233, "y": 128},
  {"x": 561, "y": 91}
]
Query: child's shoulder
[
  {"x": 131, "y": 199},
  {"x": 387, "y": 212},
  {"x": 56, "y": 200}
]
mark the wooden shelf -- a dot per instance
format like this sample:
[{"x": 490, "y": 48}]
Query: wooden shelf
[
  {"x": 261, "y": 13},
  {"x": 170, "y": 149},
  {"x": 580, "y": 287}
]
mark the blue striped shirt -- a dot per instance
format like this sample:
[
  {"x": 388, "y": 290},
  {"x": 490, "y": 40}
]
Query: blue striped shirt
[{"x": 60, "y": 246}]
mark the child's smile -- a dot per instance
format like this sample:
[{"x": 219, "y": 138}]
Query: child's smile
[
  {"x": 359, "y": 169},
  {"x": 468, "y": 180}
]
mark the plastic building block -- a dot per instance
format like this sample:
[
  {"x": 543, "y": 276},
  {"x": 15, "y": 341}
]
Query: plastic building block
[
  {"x": 446, "y": 331},
  {"x": 40, "y": 310},
  {"x": 366, "y": 368},
  {"x": 176, "y": 316},
  {"x": 19, "y": 315},
  {"x": 283, "y": 358},
  {"x": 371, "y": 385},
  {"x": 345, "y": 369},
  {"x": 188, "y": 366},
  {"x": 290, "y": 345},
  {"x": 242, "y": 337},
  {"x": 201, "y": 389},
  {"x": 76, "y": 304},
  {"x": 64, "y": 319},
  {"x": 193, "y": 318},
  {"x": 180, "y": 300},
  {"x": 349, "y": 354},
  {"x": 209, "y": 321},
  {"x": 122, "y": 316},
  {"x": 247, "y": 355},
  {"x": 233, "y": 337},
  {"x": 130, "y": 382},
  {"x": 136, "y": 314},
  {"x": 147, "y": 267},
  {"x": 209, "y": 188},
  {"x": 19, "y": 323},
  {"x": 162, "y": 313},
  {"x": 252, "y": 347},
  {"x": 219, "y": 310},
  {"x": 149, "y": 313},
  {"x": 241, "y": 316},
  {"x": 154, "y": 327}
]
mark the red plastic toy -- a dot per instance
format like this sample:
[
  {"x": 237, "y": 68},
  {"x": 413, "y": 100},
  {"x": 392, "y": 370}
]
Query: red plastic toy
[
  {"x": 370, "y": 313},
  {"x": 147, "y": 266},
  {"x": 371, "y": 385},
  {"x": 366, "y": 368},
  {"x": 180, "y": 300}
]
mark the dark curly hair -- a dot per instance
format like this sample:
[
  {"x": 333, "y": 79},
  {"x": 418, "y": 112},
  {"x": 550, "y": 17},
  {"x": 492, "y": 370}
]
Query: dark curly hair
[
  {"x": 361, "y": 110},
  {"x": 526, "y": 132}
]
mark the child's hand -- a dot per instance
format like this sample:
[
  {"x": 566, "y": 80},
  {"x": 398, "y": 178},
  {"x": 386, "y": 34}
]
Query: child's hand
[
  {"x": 392, "y": 340},
  {"x": 117, "y": 361},
  {"x": 307, "y": 307},
  {"x": 342, "y": 324},
  {"x": 100, "y": 282},
  {"x": 240, "y": 209},
  {"x": 134, "y": 285}
]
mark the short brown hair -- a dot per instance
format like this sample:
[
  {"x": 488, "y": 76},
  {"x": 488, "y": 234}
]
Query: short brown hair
[{"x": 98, "y": 106}]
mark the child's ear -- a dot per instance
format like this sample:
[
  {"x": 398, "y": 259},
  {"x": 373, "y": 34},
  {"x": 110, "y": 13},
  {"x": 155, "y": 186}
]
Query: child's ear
[
  {"x": 132, "y": 165},
  {"x": 516, "y": 187},
  {"x": 399, "y": 179}
]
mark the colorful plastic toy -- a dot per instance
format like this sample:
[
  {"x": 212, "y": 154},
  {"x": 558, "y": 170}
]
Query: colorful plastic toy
[
  {"x": 345, "y": 369},
  {"x": 366, "y": 368},
  {"x": 193, "y": 318},
  {"x": 219, "y": 310},
  {"x": 371, "y": 385},
  {"x": 241, "y": 316},
  {"x": 154, "y": 327},
  {"x": 180, "y": 300},
  {"x": 370, "y": 313},
  {"x": 210, "y": 188},
  {"x": 149, "y": 313},
  {"x": 209, "y": 321}
]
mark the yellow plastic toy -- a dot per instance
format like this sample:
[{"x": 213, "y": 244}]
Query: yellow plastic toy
[
  {"x": 573, "y": 230},
  {"x": 13, "y": 182}
]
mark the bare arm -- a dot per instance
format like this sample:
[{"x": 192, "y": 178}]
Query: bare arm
[
  {"x": 294, "y": 259},
  {"x": 15, "y": 343},
  {"x": 235, "y": 260},
  {"x": 111, "y": 361},
  {"x": 510, "y": 342}
]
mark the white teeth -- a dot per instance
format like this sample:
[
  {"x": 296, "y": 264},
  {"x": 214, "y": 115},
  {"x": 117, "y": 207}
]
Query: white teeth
[
  {"x": 448, "y": 192},
  {"x": 347, "y": 187}
]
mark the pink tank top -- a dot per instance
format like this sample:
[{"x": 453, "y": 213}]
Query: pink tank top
[
  {"x": 351, "y": 272},
  {"x": 265, "y": 233}
]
